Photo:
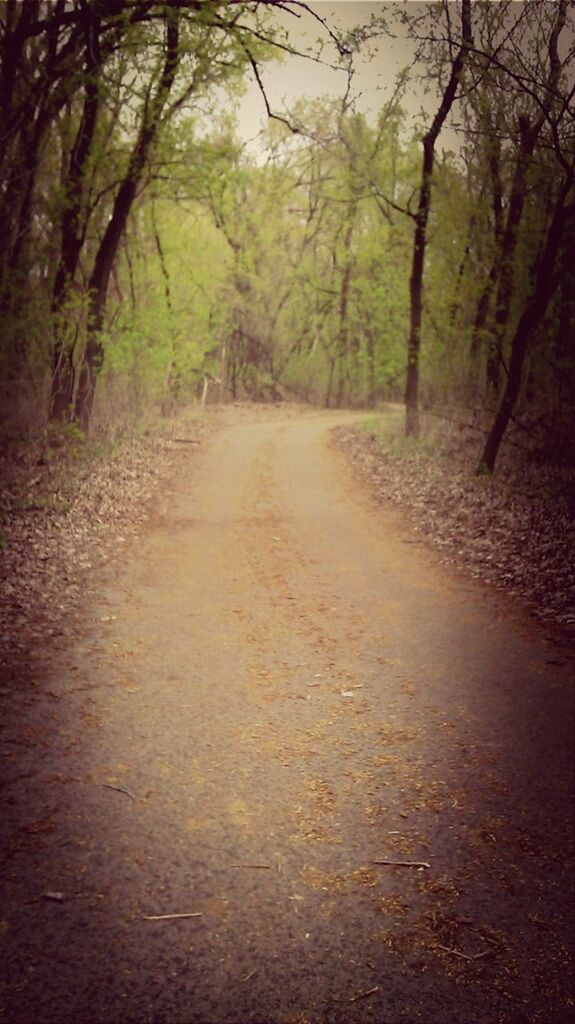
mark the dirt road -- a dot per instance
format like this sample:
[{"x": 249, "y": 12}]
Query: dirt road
[{"x": 280, "y": 689}]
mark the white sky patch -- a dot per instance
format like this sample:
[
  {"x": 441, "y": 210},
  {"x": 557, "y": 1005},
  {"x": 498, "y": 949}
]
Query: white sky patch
[{"x": 376, "y": 67}]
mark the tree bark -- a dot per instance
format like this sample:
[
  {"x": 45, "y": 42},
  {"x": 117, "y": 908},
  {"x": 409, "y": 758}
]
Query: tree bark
[
  {"x": 93, "y": 357},
  {"x": 370, "y": 351},
  {"x": 327, "y": 399},
  {"x": 18, "y": 20},
  {"x": 26, "y": 113},
  {"x": 343, "y": 352},
  {"x": 505, "y": 257},
  {"x": 71, "y": 226},
  {"x": 483, "y": 306},
  {"x": 420, "y": 234},
  {"x": 529, "y": 133},
  {"x": 546, "y": 282}
]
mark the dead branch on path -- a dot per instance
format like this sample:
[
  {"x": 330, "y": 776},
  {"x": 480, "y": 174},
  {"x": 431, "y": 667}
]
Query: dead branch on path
[
  {"x": 466, "y": 956},
  {"x": 404, "y": 863},
  {"x": 119, "y": 789},
  {"x": 364, "y": 995},
  {"x": 168, "y": 917},
  {"x": 454, "y": 952}
]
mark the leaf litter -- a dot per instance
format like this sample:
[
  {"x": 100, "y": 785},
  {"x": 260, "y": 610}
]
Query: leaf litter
[
  {"x": 68, "y": 508},
  {"x": 516, "y": 530}
]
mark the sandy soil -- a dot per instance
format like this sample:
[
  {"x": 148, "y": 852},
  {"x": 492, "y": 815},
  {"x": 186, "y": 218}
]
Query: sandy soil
[{"x": 278, "y": 688}]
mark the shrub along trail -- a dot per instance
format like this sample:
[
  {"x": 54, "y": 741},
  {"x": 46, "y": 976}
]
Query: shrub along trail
[{"x": 295, "y": 771}]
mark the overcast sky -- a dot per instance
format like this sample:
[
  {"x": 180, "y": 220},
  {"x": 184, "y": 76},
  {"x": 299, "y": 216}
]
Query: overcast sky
[{"x": 297, "y": 77}]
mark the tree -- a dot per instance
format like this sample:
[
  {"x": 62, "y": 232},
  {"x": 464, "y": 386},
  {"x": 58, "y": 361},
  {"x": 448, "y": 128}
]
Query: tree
[
  {"x": 66, "y": 63},
  {"x": 73, "y": 216},
  {"x": 546, "y": 283},
  {"x": 529, "y": 128},
  {"x": 154, "y": 104},
  {"x": 543, "y": 162},
  {"x": 421, "y": 220}
]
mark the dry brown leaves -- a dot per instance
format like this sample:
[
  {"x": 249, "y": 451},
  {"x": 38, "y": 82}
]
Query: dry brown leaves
[
  {"x": 67, "y": 508},
  {"x": 513, "y": 531}
]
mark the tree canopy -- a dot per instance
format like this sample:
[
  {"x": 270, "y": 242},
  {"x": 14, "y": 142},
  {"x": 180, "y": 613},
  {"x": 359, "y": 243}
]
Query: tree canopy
[{"x": 150, "y": 256}]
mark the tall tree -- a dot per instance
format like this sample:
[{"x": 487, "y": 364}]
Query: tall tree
[
  {"x": 154, "y": 103},
  {"x": 529, "y": 128},
  {"x": 421, "y": 220},
  {"x": 62, "y": 214},
  {"x": 547, "y": 280},
  {"x": 73, "y": 216},
  {"x": 544, "y": 157}
]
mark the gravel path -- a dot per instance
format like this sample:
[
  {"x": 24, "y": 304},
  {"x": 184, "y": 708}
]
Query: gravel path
[{"x": 276, "y": 690}]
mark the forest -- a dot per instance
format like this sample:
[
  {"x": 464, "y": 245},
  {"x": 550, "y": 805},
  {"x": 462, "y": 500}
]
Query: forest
[
  {"x": 287, "y": 511},
  {"x": 151, "y": 258}
]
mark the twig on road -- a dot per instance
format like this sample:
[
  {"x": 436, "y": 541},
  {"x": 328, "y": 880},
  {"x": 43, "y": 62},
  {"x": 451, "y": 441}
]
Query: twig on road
[
  {"x": 364, "y": 995},
  {"x": 168, "y": 917},
  {"x": 249, "y": 976},
  {"x": 119, "y": 789},
  {"x": 466, "y": 956},
  {"x": 455, "y": 952},
  {"x": 404, "y": 863}
]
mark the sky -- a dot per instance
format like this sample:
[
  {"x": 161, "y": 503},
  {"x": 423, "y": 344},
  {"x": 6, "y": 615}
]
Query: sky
[{"x": 297, "y": 77}]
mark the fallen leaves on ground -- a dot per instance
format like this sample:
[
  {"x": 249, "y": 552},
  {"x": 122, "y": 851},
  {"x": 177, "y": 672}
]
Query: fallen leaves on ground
[
  {"x": 514, "y": 531},
  {"x": 68, "y": 507}
]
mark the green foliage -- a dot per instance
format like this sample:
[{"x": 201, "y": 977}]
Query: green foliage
[
  {"x": 289, "y": 270},
  {"x": 165, "y": 328},
  {"x": 388, "y": 431}
]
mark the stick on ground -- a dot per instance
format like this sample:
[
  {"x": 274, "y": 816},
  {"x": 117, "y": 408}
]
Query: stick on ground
[
  {"x": 119, "y": 789},
  {"x": 168, "y": 917},
  {"x": 404, "y": 863},
  {"x": 364, "y": 995},
  {"x": 455, "y": 952}
]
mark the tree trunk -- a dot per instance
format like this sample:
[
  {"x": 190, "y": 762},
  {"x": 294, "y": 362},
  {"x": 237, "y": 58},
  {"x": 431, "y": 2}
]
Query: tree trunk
[
  {"x": 343, "y": 333},
  {"x": 327, "y": 399},
  {"x": 16, "y": 213},
  {"x": 482, "y": 313},
  {"x": 26, "y": 114},
  {"x": 224, "y": 371},
  {"x": 416, "y": 293},
  {"x": 71, "y": 226},
  {"x": 546, "y": 281},
  {"x": 420, "y": 234},
  {"x": 370, "y": 351},
  {"x": 18, "y": 20},
  {"x": 529, "y": 133},
  {"x": 93, "y": 358},
  {"x": 505, "y": 259},
  {"x": 565, "y": 341}
]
